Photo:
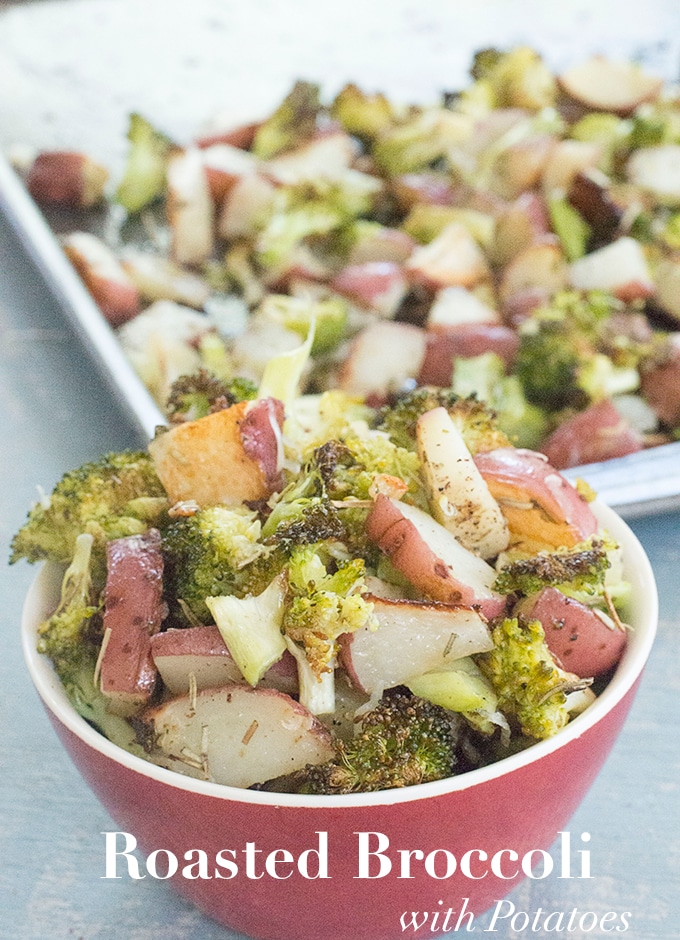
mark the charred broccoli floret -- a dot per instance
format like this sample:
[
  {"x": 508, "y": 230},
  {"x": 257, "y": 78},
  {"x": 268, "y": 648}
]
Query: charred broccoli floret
[
  {"x": 206, "y": 554},
  {"x": 292, "y": 123},
  {"x": 561, "y": 361},
  {"x": 582, "y": 568},
  {"x": 115, "y": 496},
  {"x": 475, "y": 420},
  {"x": 528, "y": 683},
  {"x": 195, "y": 396},
  {"x": 403, "y": 741}
]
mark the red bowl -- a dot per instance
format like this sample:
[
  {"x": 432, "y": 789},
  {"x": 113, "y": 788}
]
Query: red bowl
[{"x": 267, "y": 884}]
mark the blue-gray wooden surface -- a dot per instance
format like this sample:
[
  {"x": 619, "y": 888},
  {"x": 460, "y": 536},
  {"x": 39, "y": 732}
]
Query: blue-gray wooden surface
[{"x": 54, "y": 414}]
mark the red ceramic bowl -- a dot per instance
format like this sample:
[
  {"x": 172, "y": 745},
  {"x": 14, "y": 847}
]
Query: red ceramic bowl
[{"x": 520, "y": 804}]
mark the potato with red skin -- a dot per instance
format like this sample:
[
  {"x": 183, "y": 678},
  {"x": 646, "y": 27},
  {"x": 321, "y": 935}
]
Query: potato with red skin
[
  {"x": 66, "y": 178},
  {"x": 109, "y": 285},
  {"x": 133, "y": 612},
  {"x": 661, "y": 386},
  {"x": 236, "y": 735},
  {"x": 431, "y": 557},
  {"x": 229, "y": 457},
  {"x": 580, "y": 640},
  {"x": 598, "y": 433},
  {"x": 201, "y": 651},
  {"x": 541, "y": 507},
  {"x": 375, "y": 285},
  {"x": 445, "y": 344}
]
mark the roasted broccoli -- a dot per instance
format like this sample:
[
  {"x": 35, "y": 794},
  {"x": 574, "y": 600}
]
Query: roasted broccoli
[
  {"x": 144, "y": 176},
  {"x": 582, "y": 568},
  {"x": 528, "y": 683},
  {"x": 61, "y": 635},
  {"x": 325, "y": 601},
  {"x": 364, "y": 115},
  {"x": 474, "y": 419},
  {"x": 115, "y": 496},
  {"x": 561, "y": 361},
  {"x": 403, "y": 741},
  {"x": 205, "y": 554},
  {"x": 195, "y": 396},
  {"x": 291, "y": 124}
]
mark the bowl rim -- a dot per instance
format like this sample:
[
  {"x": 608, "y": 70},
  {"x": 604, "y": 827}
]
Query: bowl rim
[{"x": 643, "y": 617}]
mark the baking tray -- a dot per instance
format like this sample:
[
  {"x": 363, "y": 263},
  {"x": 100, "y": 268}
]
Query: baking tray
[{"x": 57, "y": 59}]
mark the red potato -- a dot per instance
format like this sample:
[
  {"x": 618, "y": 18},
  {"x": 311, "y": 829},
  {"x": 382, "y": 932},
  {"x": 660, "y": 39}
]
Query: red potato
[
  {"x": 590, "y": 194},
  {"x": 598, "y": 433},
  {"x": 604, "y": 85},
  {"x": 133, "y": 612},
  {"x": 224, "y": 165},
  {"x": 229, "y": 457},
  {"x": 382, "y": 358},
  {"x": 453, "y": 306},
  {"x": 657, "y": 171},
  {"x": 566, "y": 160},
  {"x": 542, "y": 508},
  {"x": 326, "y": 156},
  {"x": 458, "y": 495},
  {"x": 661, "y": 387},
  {"x": 238, "y": 736},
  {"x": 201, "y": 652},
  {"x": 452, "y": 258},
  {"x": 576, "y": 635},
  {"x": 523, "y": 222},
  {"x": 433, "y": 189},
  {"x": 376, "y": 285},
  {"x": 244, "y": 205},
  {"x": 411, "y": 638},
  {"x": 381, "y": 244},
  {"x": 520, "y": 166},
  {"x": 519, "y": 307},
  {"x": 241, "y": 136},
  {"x": 103, "y": 275},
  {"x": 190, "y": 208},
  {"x": 620, "y": 267},
  {"x": 158, "y": 278},
  {"x": 541, "y": 264},
  {"x": 465, "y": 341},
  {"x": 432, "y": 558},
  {"x": 66, "y": 178},
  {"x": 667, "y": 280}
]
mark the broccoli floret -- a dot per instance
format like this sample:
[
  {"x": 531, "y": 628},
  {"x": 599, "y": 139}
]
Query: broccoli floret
[
  {"x": 61, "y": 636},
  {"x": 475, "y": 420},
  {"x": 528, "y": 683},
  {"x": 313, "y": 208},
  {"x": 299, "y": 313},
  {"x": 421, "y": 141},
  {"x": 361, "y": 114},
  {"x": 578, "y": 569},
  {"x": 324, "y": 603},
  {"x": 293, "y": 122},
  {"x": 195, "y": 396},
  {"x": 518, "y": 78},
  {"x": 144, "y": 177},
  {"x": 117, "y": 495},
  {"x": 557, "y": 346},
  {"x": 403, "y": 741},
  {"x": 206, "y": 554}
]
